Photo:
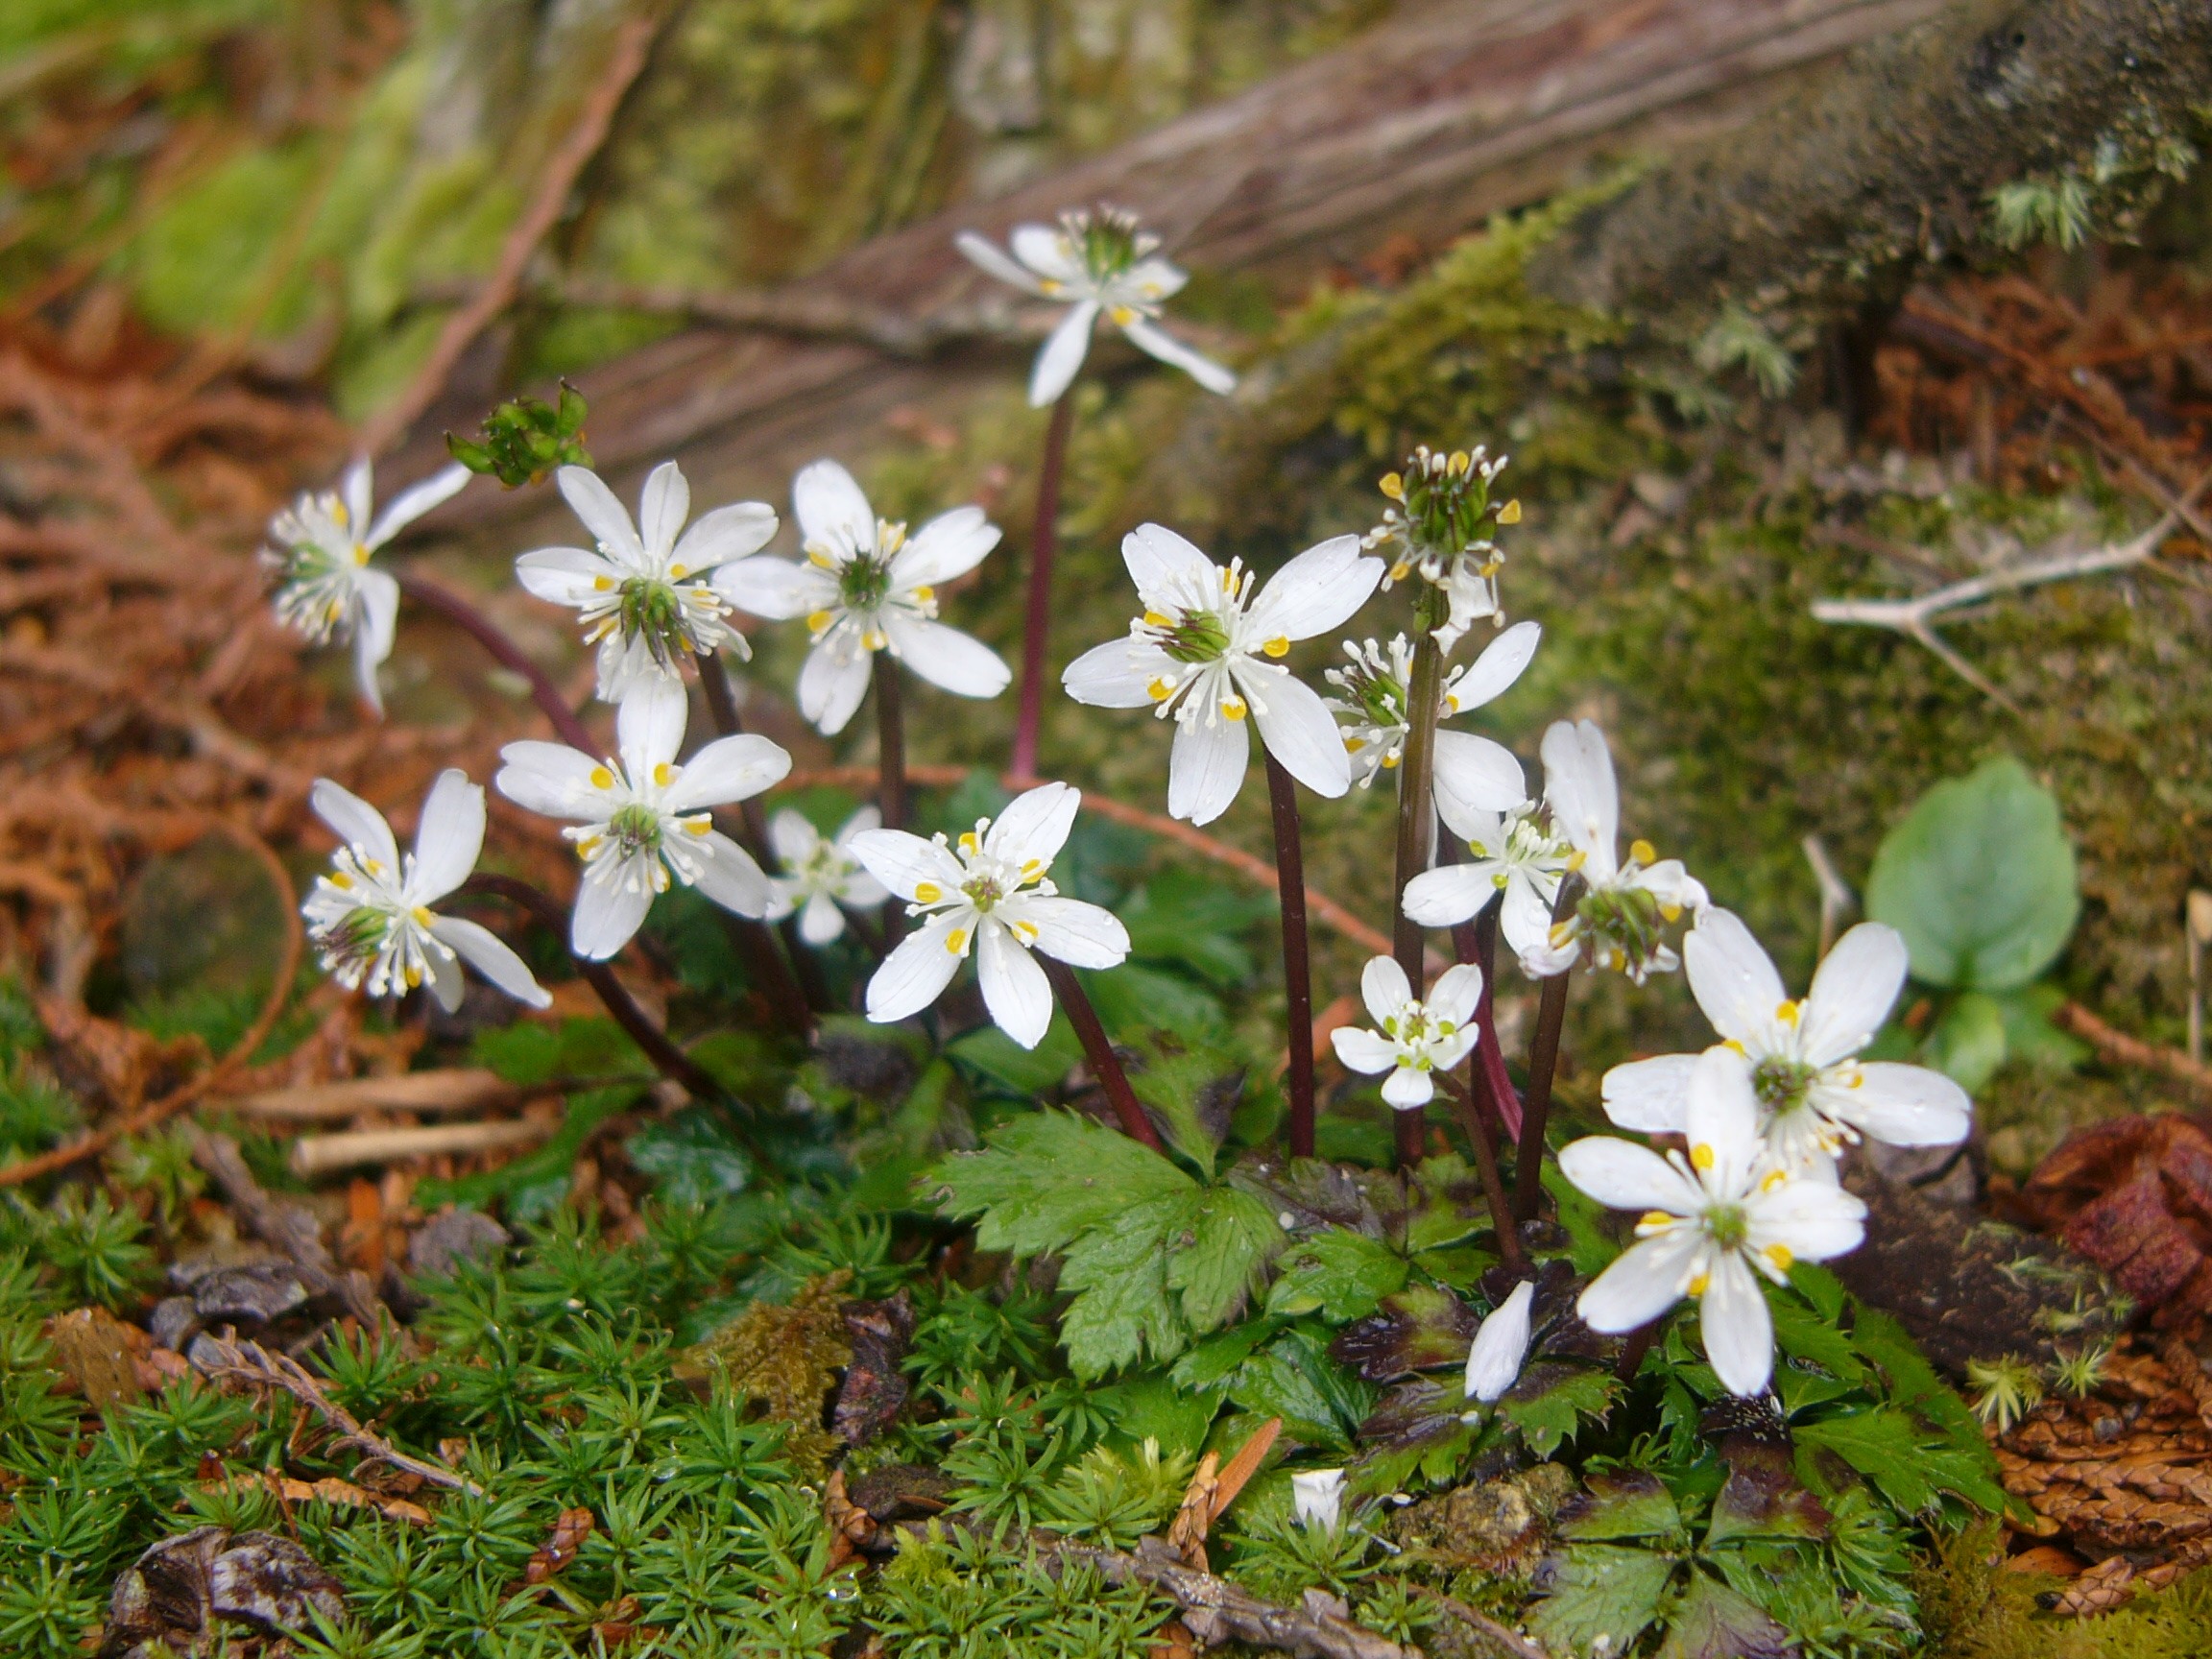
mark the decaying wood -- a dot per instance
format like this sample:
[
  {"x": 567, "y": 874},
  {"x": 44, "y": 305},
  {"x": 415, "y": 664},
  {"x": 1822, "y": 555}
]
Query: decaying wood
[
  {"x": 289, "y": 1226},
  {"x": 315, "y": 1155},
  {"x": 1425, "y": 124},
  {"x": 448, "y": 1090}
]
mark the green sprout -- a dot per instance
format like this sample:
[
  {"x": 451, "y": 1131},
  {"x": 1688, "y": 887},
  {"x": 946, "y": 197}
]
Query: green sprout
[
  {"x": 523, "y": 441},
  {"x": 2004, "y": 1390},
  {"x": 2078, "y": 1373}
]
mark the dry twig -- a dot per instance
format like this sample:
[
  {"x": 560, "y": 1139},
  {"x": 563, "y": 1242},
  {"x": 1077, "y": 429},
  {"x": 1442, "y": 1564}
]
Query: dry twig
[
  {"x": 315, "y": 1155},
  {"x": 2122, "y": 1050},
  {"x": 287, "y": 1226},
  {"x": 449, "y": 1088}
]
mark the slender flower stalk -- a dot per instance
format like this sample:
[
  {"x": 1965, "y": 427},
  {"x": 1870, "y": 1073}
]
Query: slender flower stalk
[
  {"x": 1037, "y": 628},
  {"x": 1098, "y": 1054},
  {"x": 1416, "y": 828},
  {"x": 891, "y": 776},
  {"x": 1483, "y": 1140},
  {"x": 1297, "y": 963},
  {"x": 1543, "y": 1066},
  {"x": 568, "y": 725}
]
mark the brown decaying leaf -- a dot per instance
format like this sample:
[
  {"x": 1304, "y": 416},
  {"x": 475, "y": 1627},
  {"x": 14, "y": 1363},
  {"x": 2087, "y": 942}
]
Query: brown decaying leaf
[
  {"x": 874, "y": 1389},
  {"x": 570, "y": 1527}
]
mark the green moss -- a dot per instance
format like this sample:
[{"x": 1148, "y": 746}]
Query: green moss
[{"x": 1973, "y": 1608}]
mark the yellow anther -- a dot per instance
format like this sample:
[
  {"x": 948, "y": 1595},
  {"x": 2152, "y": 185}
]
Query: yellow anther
[
  {"x": 1393, "y": 485},
  {"x": 1451, "y": 703},
  {"x": 341, "y": 882},
  {"x": 601, "y": 584},
  {"x": 1774, "y": 1179},
  {"x": 1510, "y": 513},
  {"x": 698, "y": 823},
  {"x": 1389, "y": 760},
  {"x": 1032, "y": 868},
  {"x": 969, "y": 843},
  {"x": 360, "y": 553},
  {"x": 1153, "y": 619},
  {"x": 1576, "y": 859},
  {"x": 1026, "y": 931},
  {"x": 1279, "y": 646},
  {"x": 890, "y": 537},
  {"x": 1049, "y": 285},
  {"x": 585, "y": 845},
  {"x": 1353, "y": 745},
  {"x": 602, "y": 778},
  {"x": 1459, "y": 463},
  {"x": 1655, "y": 1219},
  {"x": 1491, "y": 569},
  {"x": 956, "y": 941},
  {"x": 1785, "y": 1012},
  {"x": 1159, "y": 690},
  {"x": 414, "y": 977},
  {"x": 818, "y": 620},
  {"x": 1228, "y": 581},
  {"x": 338, "y": 512},
  {"x": 1234, "y": 708},
  {"x": 1501, "y": 880},
  {"x": 1670, "y": 912},
  {"x": 1698, "y": 1285},
  {"x": 1122, "y": 316},
  {"x": 662, "y": 774},
  {"x": 927, "y": 892},
  {"x": 1643, "y": 851},
  {"x": 677, "y": 572},
  {"x": 874, "y": 639},
  {"x": 1701, "y": 1156},
  {"x": 1780, "y": 1255},
  {"x": 1731, "y": 1042},
  {"x": 822, "y": 557},
  {"x": 1401, "y": 570},
  {"x": 925, "y": 594}
]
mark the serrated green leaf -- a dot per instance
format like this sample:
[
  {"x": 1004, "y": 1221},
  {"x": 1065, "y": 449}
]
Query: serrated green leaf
[
  {"x": 1818, "y": 1286},
  {"x": 1980, "y": 879},
  {"x": 1801, "y": 1334},
  {"x": 1907, "y": 1464},
  {"x": 1210, "y": 1364},
  {"x": 1153, "y": 1409},
  {"x": 1319, "y": 1402},
  {"x": 1185, "y": 917},
  {"x": 1602, "y": 1591},
  {"x": 1341, "y": 1275},
  {"x": 1591, "y": 1245},
  {"x": 1044, "y": 1181},
  {"x": 1233, "y": 1238},
  {"x": 1712, "y": 1621},
  {"x": 1550, "y": 1400},
  {"x": 1621, "y": 1504},
  {"x": 1117, "y": 1275}
]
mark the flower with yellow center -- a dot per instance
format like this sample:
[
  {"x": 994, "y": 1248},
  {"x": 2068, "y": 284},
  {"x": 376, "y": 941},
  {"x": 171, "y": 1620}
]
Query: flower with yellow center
[
  {"x": 643, "y": 821},
  {"x": 370, "y": 919},
  {"x": 1412, "y": 1038},
  {"x": 988, "y": 895},
  {"x": 1711, "y": 1221},
  {"x": 1206, "y": 651}
]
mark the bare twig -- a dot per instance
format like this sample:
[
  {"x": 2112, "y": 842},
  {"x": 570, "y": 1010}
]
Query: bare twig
[
  {"x": 625, "y": 58},
  {"x": 287, "y": 1226},
  {"x": 315, "y": 1155},
  {"x": 1512, "y": 1641},
  {"x": 454, "y": 1089},
  {"x": 1835, "y": 895},
  {"x": 246, "y": 1361},
  {"x": 2122, "y": 1049}
]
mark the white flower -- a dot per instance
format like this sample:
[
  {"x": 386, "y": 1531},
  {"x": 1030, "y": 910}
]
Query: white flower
[
  {"x": 1501, "y": 1343},
  {"x": 821, "y": 874},
  {"x": 1471, "y": 769},
  {"x": 645, "y": 596},
  {"x": 1207, "y": 651},
  {"x": 1317, "y": 1499},
  {"x": 370, "y": 917},
  {"x": 866, "y": 587},
  {"x": 1815, "y": 1093},
  {"x": 324, "y": 585},
  {"x": 989, "y": 895},
  {"x": 1097, "y": 262},
  {"x": 1412, "y": 1038},
  {"x": 1617, "y": 918},
  {"x": 1514, "y": 856},
  {"x": 645, "y": 819},
  {"x": 1708, "y": 1220}
]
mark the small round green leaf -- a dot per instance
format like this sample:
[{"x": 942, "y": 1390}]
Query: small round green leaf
[{"x": 1980, "y": 879}]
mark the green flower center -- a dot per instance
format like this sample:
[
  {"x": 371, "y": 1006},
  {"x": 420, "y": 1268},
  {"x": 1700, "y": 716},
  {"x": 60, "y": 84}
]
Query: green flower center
[
  {"x": 865, "y": 583},
  {"x": 1782, "y": 1084},
  {"x": 650, "y": 610},
  {"x": 637, "y": 828},
  {"x": 1105, "y": 241},
  {"x": 1630, "y": 917},
  {"x": 1728, "y": 1225},
  {"x": 983, "y": 893},
  {"x": 1196, "y": 637},
  {"x": 359, "y": 933}
]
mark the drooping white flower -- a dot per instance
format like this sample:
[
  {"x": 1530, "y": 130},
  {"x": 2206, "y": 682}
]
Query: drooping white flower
[
  {"x": 1440, "y": 525},
  {"x": 370, "y": 920},
  {"x": 865, "y": 587},
  {"x": 643, "y": 591},
  {"x": 326, "y": 587},
  {"x": 1619, "y": 917},
  {"x": 1513, "y": 856},
  {"x": 643, "y": 820},
  {"x": 990, "y": 895},
  {"x": 1100, "y": 263},
  {"x": 821, "y": 874},
  {"x": 1317, "y": 1499},
  {"x": 1207, "y": 652},
  {"x": 1472, "y": 770},
  {"x": 1815, "y": 1095},
  {"x": 1501, "y": 1343},
  {"x": 1412, "y": 1038},
  {"x": 1710, "y": 1219}
]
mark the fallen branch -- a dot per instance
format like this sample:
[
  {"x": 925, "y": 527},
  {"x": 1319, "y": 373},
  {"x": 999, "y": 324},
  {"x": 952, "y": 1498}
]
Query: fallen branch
[
  {"x": 2122, "y": 1049},
  {"x": 453, "y": 1089},
  {"x": 290, "y": 1227},
  {"x": 220, "y": 1357},
  {"x": 315, "y": 1155}
]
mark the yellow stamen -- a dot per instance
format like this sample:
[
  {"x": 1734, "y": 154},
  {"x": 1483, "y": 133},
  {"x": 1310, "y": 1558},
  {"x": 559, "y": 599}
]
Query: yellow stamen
[
  {"x": 1576, "y": 859},
  {"x": 601, "y": 584},
  {"x": 339, "y": 511},
  {"x": 343, "y": 881},
  {"x": 584, "y": 844},
  {"x": 1279, "y": 646},
  {"x": 1228, "y": 581},
  {"x": 1510, "y": 513},
  {"x": 820, "y": 556},
  {"x": 602, "y": 778},
  {"x": 1701, "y": 1156},
  {"x": 1643, "y": 851},
  {"x": 1459, "y": 463},
  {"x": 421, "y": 915},
  {"x": 1122, "y": 316},
  {"x": 1153, "y": 619},
  {"x": 1731, "y": 1042},
  {"x": 927, "y": 892},
  {"x": 925, "y": 594},
  {"x": 1775, "y": 1178},
  {"x": 1655, "y": 1219},
  {"x": 1159, "y": 690},
  {"x": 1698, "y": 1285},
  {"x": 698, "y": 823},
  {"x": 1785, "y": 1012},
  {"x": 662, "y": 772},
  {"x": 1401, "y": 570},
  {"x": 1388, "y": 762},
  {"x": 1670, "y": 912},
  {"x": 1026, "y": 931},
  {"x": 1353, "y": 745},
  {"x": 1780, "y": 1255},
  {"x": 677, "y": 572},
  {"x": 874, "y": 639},
  {"x": 1393, "y": 485},
  {"x": 956, "y": 941},
  {"x": 1234, "y": 708},
  {"x": 969, "y": 843},
  {"x": 818, "y": 620},
  {"x": 414, "y": 977},
  {"x": 1032, "y": 869}
]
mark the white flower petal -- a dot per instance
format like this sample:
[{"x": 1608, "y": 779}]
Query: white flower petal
[
  {"x": 1734, "y": 980},
  {"x": 1650, "y": 1097},
  {"x": 609, "y": 912},
  {"x": 1035, "y": 824},
  {"x": 1456, "y": 993},
  {"x": 1045, "y": 252},
  {"x": 832, "y": 683},
  {"x": 411, "y": 503},
  {"x": 906, "y": 863},
  {"x": 1722, "y": 1121},
  {"x": 1317, "y": 1498},
  {"x": 1585, "y": 802},
  {"x": 1363, "y": 1051},
  {"x": 727, "y": 769},
  {"x": 1852, "y": 992},
  {"x": 1159, "y": 561},
  {"x": 1621, "y": 1175},
  {"x": 1406, "y": 1088},
  {"x": 1501, "y": 664},
  {"x": 1316, "y": 591},
  {"x": 663, "y": 508},
  {"x": 1015, "y": 989},
  {"x": 355, "y": 822},
  {"x": 728, "y": 877},
  {"x": 487, "y": 953},
  {"x": 987, "y": 255},
  {"x": 1206, "y": 768},
  {"x": 605, "y": 517},
  {"x": 1643, "y": 1282},
  {"x": 951, "y": 544},
  {"x": 1117, "y": 675},
  {"x": 792, "y": 837},
  {"x": 649, "y": 726},
  {"x": 947, "y": 657},
  {"x": 549, "y": 777},
  {"x": 728, "y": 533},
  {"x": 1501, "y": 1343},
  {"x": 378, "y": 594},
  {"x": 1062, "y": 359},
  {"x": 830, "y": 507},
  {"x": 1475, "y": 779},
  {"x": 866, "y": 816},
  {"x": 1155, "y": 341},
  {"x": 448, "y": 984},
  {"x": 775, "y": 589},
  {"x": 1384, "y": 988},
  {"x": 915, "y": 974},
  {"x": 1297, "y": 727},
  {"x": 1739, "y": 1333},
  {"x": 1445, "y": 896},
  {"x": 1153, "y": 277},
  {"x": 1903, "y": 1105},
  {"x": 358, "y": 491},
  {"x": 1526, "y": 920},
  {"x": 450, "y": 836},
  {"x": 1815, "y": 1219},
  {"x": 565, "y": 575},
  {"x": 821, "y": 921}
]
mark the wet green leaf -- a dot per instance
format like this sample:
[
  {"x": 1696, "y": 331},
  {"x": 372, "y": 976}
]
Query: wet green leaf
[{"x": 1342, "y": 1276}]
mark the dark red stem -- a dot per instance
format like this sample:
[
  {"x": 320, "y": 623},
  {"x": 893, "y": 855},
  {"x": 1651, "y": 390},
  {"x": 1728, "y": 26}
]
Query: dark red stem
[
  {"x": 1485, "y": 1143},
  {"x": 1297, "y": 961},
  {"x": 1543, "y": 1066},
  {"x": 437, "y": 596},
  {"x": 1493, "y": 1082},
  {"x": 891, "y": 773},
  {"x": 1105, "y": 1065},
  {"x": 1036, "y": 627}
]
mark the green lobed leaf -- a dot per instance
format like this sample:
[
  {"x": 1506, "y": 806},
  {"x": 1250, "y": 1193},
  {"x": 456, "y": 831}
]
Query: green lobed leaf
[
  {"x": 1760, "y": 1498},
  {"x": 1044, "y": 1180},
  {"x": 1550, "y": 1400},
  {"x": 1341, "y": 1275},
  {"x": 1980, "y": 878},
  {"x": 1232, "y": 1239},
  {"x": 1119, "y": 1274},
  {"x": 1621, "y": 1504},
  {"x": 1601, "y": 1592},
  {"x": 1319, "y": 1402},
  {"x": 1712, "y": 1621}
]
